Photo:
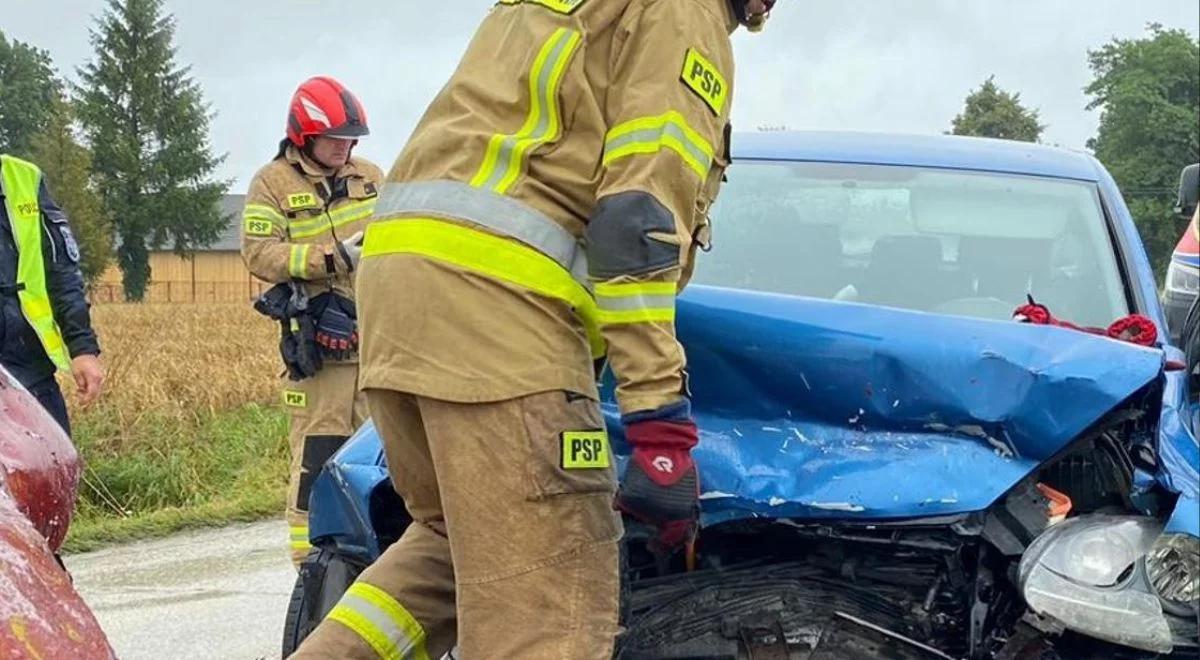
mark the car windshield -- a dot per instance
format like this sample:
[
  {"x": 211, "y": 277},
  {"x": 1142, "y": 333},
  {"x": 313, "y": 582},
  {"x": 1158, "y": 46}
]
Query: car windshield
[{"x": 935, "y": 240}]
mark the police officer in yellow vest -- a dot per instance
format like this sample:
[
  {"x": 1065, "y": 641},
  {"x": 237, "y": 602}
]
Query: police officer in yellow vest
[
  {"x": 303, "y": 221},
  {"x": 549, "y": 205},
  {"x": 45, "y": 323}
]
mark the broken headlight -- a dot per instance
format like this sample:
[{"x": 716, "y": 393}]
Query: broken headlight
[
  {"x": 1174, "y": 569},
  {"x": 1087, "y": 573}
]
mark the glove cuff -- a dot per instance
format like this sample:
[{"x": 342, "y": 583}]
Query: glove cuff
[{"x": 662, "y": 434}]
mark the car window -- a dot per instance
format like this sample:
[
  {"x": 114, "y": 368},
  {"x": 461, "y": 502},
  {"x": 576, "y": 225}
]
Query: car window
[{"x": 925, "y": 239}]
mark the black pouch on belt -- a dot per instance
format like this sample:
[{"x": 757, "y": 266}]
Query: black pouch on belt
[{"x": 288, "y": 304}]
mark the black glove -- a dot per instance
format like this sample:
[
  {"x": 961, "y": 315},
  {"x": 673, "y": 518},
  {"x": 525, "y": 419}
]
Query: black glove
[{"x": 337, "y": 333}]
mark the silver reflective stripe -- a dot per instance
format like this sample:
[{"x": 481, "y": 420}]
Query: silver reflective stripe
[
  {"x": 501, "y": 214},
  {"x": 383, "y": 623},
  {"x": 640, "y": 301},
  {"x": 543, "y": 103},
  {"x": 655, "y": 136}
]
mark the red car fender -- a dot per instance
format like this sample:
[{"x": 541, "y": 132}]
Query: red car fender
[{"x": 41, "y": 615}]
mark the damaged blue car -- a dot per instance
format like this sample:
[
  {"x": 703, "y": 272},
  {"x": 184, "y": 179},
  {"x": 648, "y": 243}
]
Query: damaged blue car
[{"x": 891, "y": 466}]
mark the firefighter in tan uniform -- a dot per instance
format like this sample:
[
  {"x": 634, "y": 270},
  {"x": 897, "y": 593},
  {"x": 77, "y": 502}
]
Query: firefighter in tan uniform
[
  {"x": 302, "y": 228},
  {"x": 544, "y": 214}
]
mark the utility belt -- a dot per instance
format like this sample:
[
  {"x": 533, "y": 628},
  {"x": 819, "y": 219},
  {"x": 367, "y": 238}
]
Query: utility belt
[
  {"x": 312, "y": 330},
  {"x": 546, "y": 259}
]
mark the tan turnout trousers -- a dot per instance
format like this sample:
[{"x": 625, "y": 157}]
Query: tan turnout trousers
[
  {"x": 324, "y": 411},
  {"x": 495, "y": 523}
]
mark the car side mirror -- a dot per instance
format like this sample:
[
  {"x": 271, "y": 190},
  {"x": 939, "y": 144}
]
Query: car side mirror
[{"x": 1189, "y": 191}]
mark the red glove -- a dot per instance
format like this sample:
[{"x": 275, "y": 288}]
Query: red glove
[
  {"x": 661, "y": 487},
  {"x": 1135, "y": 328}
]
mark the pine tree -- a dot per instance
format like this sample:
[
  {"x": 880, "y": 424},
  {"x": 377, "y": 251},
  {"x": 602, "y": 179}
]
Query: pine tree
[
  {"x": 147, "y": 124},
  {"x": 992, "y": 112},
  {"x": 67, "y": 167}
]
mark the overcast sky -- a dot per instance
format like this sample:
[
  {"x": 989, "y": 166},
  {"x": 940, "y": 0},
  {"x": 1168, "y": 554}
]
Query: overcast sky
[{"x": 870, "y": 65}]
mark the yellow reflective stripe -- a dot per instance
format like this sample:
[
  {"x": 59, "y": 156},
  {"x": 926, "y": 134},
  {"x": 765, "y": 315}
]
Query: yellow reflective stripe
[
  {"x": 489, "y": 255},
  {"x": 648, "y": 135},
  {"x": 299, "y": 538},
  {"x": 559, "y": 6},
  {"x": 382, "y": 622},
  {"x": 364, "y": 628},
  {"x": 630, "y": 289},
  {"x": 635, "y": 302},
  {"x": 505, "y": 157},
  {"x": 628, "y": 316},
  {"x": 298, "y": 263},
  {"x": 262, "y": 212},
  {"x": 334, "y": 219}
]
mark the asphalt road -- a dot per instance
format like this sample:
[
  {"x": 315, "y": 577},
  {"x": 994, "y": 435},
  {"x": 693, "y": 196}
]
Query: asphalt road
[{"x": 217, "y": 594}]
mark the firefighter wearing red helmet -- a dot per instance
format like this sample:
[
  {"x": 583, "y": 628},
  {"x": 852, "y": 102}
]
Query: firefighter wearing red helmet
[
  {"x": 544, "y": 214},
  {"x": 302, "y": 229}
]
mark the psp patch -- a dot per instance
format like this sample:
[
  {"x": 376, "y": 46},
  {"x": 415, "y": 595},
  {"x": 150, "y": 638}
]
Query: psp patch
[
  {"x": 584, "y": 450},
  {"x": 258, "y": 227},
  {"x": 702, "y": 77},
  {"x": 294, "y": 399},
  {"x": 301, "y": 201}
]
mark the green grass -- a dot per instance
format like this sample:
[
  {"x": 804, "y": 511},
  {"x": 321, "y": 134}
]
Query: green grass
[{"x": 162, "y": 474}]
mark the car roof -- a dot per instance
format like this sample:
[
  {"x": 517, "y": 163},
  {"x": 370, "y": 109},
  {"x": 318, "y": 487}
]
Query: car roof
[{"x": 943, "y": 151}]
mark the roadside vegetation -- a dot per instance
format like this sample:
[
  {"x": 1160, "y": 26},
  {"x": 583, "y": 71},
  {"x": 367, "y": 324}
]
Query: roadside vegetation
[{"x": 189, "y": 431}]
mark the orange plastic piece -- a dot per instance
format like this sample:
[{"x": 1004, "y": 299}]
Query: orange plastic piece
[{"x": 1060, "y": 503}]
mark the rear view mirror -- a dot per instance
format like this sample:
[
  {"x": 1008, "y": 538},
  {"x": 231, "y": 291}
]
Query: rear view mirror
[{"x": 1189, "y": 191}]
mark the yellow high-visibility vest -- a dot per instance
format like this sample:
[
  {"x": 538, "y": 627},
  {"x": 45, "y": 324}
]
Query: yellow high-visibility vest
[{"x": 19, "y": 181}]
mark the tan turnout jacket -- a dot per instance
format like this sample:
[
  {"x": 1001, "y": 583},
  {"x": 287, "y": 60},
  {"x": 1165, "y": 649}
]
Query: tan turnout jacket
[{"x": 560, "y": 105}]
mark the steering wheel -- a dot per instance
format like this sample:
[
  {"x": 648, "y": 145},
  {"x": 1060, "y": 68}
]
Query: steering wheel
[{"x": 978, "y": 307}]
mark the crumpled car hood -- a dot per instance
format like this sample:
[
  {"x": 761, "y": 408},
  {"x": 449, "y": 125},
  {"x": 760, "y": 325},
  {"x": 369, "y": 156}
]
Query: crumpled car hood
[{"x": 817, "y": 409}]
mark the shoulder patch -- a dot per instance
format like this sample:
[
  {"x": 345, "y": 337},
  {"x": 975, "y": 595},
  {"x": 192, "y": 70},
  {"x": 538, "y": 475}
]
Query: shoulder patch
[
  {"x": 300, "y": 201},
  {"x": 70, "y": 242},
  {"x": 702, "y": 77},
  {"x": 258, "y": 227}
]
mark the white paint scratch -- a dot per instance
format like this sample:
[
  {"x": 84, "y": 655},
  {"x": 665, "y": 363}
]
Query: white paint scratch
[
  {"x": 776, "y": 501},
  {"x": 715, "y": 495},
  {"x": 772, "y": 429},
  {"x": 836, "y": 506}
]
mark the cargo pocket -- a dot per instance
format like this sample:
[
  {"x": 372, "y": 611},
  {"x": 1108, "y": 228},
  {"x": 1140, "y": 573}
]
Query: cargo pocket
[{"x": 569, "y": 452}]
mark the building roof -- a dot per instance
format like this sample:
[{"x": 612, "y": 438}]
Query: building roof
[
  {"x": 231, "y": 238},
  {"x": 944, "y": 151}
]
